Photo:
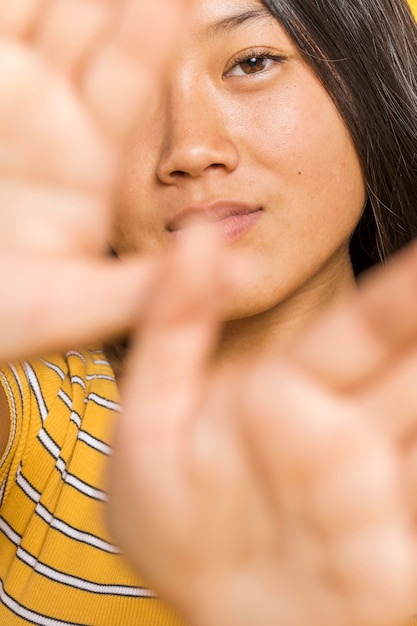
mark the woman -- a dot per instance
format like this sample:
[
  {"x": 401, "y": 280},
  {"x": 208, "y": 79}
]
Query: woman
[
  {"x": 58, "y": 563},
  {"x": 287, "y": 171}
]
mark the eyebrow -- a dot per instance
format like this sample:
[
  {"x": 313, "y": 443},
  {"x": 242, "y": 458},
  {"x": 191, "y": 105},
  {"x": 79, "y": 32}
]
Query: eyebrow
[{"x": 233, "y": 21}]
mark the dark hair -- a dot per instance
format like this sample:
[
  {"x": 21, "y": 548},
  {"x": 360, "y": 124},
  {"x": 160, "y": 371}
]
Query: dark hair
[{"x": 365, "y": 54}]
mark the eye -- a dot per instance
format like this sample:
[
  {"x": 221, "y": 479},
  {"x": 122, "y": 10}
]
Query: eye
[{"x": 252, "y": 62}]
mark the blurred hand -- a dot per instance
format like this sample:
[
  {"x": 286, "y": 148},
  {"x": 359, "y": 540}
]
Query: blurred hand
[
  {"x": 74, "y": 76},
  {"x": 279, "y": 492}
]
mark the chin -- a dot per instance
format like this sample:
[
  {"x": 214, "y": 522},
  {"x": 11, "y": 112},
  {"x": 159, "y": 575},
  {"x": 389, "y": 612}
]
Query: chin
[{"x": 247, "y": 307}]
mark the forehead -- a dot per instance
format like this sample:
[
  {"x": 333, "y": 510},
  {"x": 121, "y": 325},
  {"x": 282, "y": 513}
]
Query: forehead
[{"x": 208, "y": 19}]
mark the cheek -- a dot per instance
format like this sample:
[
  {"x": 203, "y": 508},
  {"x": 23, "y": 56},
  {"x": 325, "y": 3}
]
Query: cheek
[
  {"x": 300, "y": 145},
  {"x": 304, "y": 163},
  {"x": 135, "y": 221}
]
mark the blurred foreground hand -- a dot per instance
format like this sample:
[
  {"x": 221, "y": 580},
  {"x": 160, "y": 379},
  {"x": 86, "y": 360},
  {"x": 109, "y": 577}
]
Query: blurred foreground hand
[
  {"x": 282, "y": 492},
  {"x": 74, "y": 77}
]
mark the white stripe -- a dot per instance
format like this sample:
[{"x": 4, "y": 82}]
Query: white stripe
[
  {"x": 9, "y": 532},
  {"x": 26, "y": 487},
  {"x": 65, "y": 398},
  {"x": 68, "y": 478},
  {"x": 77, "y": 380},
  {"x": 94, "y": 443},
  {"x": 83, "y": 487},
  {"x": 58, "y": 524},
  {"x": 77, "y": 354},
  {"x": 75, "y": 533},
  {"x": 34, "y": 384},
  {"x": 13, "y": 420},
  {"x": 81, "y": 583},
  {"x": 54, "y": 367},
  {"x": 2, "y": 490},
  {"x": 19, "y": 383},
  {"x": 90, "y": 440},
  {"x": 61, "y": 577},
  {"x": 104, "y": 402},
  {"x": 100, "y": 362},
  {"x": 74, "y": 417},
  {"x": 49, "y": 443},
  {"x": 100, "y": 377},
  {"x": 31, "y": 616}
]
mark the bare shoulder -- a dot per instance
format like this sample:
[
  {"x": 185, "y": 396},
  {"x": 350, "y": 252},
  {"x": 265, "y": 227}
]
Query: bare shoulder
[{"x": 4, "y": 420}]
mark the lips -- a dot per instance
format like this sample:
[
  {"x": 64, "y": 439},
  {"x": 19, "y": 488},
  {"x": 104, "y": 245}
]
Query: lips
[{"x": 233, "y": 218}]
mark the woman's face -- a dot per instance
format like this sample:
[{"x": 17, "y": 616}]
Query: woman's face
[{"x": 241, "y": 132}]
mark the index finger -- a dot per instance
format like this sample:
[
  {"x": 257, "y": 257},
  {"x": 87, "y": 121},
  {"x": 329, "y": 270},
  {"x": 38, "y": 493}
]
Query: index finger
[
  {"x": 118, "y": 76},
  {"x": 357, "y": 338},
  {"x": 17, "y": 17}
]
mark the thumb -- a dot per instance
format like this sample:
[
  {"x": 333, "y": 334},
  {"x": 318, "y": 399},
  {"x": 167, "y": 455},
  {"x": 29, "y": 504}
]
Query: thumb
[
  {"x": 163, "y": 387},
  {"x": 177, "y": 336},
  {"x": 54, "y": 304}
]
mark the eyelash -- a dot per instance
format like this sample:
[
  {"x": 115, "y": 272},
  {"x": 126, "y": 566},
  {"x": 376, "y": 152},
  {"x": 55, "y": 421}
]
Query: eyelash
[{"x": 247, "y": 55}]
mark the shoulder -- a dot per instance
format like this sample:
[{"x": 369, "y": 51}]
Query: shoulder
[
  {"x": 51, "y": 399},
  {"x": 5, "y": 419}
]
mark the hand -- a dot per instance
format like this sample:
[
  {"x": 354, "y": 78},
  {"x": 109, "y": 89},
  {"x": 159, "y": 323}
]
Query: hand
[
  {"x": 74, "y": 76},
  {"x": 276, "y": 493}
]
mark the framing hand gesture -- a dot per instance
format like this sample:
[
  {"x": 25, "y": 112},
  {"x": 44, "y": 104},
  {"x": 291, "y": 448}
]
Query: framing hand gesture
[
  {"x": 69, "y": 101},
  {"x": 275, "y": 493}
]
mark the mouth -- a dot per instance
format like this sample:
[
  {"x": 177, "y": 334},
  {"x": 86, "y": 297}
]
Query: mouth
[{"x": 233, "y": 219}]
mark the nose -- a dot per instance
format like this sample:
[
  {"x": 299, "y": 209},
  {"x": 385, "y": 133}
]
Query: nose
[{"x": 197, "y": 139}]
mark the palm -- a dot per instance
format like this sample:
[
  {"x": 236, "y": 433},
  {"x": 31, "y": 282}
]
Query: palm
[
  {"x": 333, "y": 486},
  {"x": 273, "y": 512},
  {"x": 268, "y": 494},
  {"x": 74, "y": 75},
  {"x": 72, "y": 82}
]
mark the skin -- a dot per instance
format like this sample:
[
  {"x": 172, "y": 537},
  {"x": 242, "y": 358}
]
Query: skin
[
  {"x": 288, "y": 481},
  {"x": 4, "y": 421},
  {"x": 197, "y": 445},
  {"x": 273, "y": 139},
  {"x": 56, "y": 212},
  {"x": 279, "y": 462}
]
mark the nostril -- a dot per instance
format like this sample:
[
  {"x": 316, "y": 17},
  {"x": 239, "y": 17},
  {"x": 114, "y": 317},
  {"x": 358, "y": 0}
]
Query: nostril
[
  {"x": 178, "y": 173},
  {"x": 196, "y": 172},
  {"x": 190, "y": 159}
]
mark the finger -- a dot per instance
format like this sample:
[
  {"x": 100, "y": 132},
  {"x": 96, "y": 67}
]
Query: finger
[
  {"x": 161, "y": 391},
  {"x": 161, "y": 394},
  {"x": 118, "y": 78},
  {"x": 43, "y": 219},
  {"x": 294, "y": 427},
  {"x": 53, "y": 304},
  {"x": 392, "y": 403},
  {"x": 17, "y": 18},
  {"x": 317, "y": 453},
  {"x": 70, "y": 30},
  {"x": 391, "y": 399},
  {"x": 355, "y": 339},
  {"x": 329, "y": 469},
  {"x": 375, "y": 563},
  {"x": 410, "y": 480},
  {"x": 177, "y": 335},
  {"x": 40, "y": 120}
]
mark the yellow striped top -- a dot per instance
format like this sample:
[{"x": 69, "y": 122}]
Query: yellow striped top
[{"x": 58, "y": 564}]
